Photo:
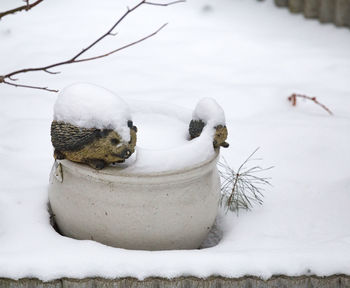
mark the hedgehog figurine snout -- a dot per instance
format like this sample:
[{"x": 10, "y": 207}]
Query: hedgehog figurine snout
[{"x": 123, "y": 150}]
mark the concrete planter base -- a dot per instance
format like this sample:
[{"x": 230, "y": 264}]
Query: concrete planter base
[{"x": 335, "y": 281}]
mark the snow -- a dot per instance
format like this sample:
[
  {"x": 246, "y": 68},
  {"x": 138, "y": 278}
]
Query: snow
[
  {"x": 163, "y": 142},
  {"x": 250, "y": 65},
  {"x": 210, "y": 112},
  {"x": 173, "y": 159},
  {"x": 90, "y": 106}
]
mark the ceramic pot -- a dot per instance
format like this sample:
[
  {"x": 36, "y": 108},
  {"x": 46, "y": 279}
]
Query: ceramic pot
[{"x": 154, "y": 211}]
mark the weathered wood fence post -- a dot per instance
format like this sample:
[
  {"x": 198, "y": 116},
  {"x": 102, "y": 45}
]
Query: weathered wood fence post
[
  {"x": 342, "y": 13},
  {"x": 281, "y": 3},
  {"x": 336, "y": 11},
  {"x": 326, "y": 11},
  {"x": 296, "y": 6},
  {"x": 311, "y": 8}
]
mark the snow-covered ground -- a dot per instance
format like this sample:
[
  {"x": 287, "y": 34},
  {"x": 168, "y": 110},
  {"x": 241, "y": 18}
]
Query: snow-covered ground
[{"x": 249, "y": 56}]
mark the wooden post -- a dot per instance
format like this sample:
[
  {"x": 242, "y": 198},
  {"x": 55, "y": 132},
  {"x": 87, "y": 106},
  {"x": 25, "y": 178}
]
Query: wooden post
[
  {"x": 342, "y": 13},
  {"x": 326, "y": 11},
  {"x": 296, "y": 6},
  {"x": 311, "y": 8},
  {"x": 281, "y": 3}
]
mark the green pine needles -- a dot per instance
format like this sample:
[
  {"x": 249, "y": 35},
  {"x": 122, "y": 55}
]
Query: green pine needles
[{"x": 243, "y": 188}]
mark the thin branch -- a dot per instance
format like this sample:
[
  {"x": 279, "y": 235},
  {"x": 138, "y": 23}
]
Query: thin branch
[
  {"x": 123, "y": 47},
  {"x": 293, "y": 99},
  {"x": 28, "y": 86},
  {"x": 25, "y": 7},
  {"x": 76, "y": 59},
  {"x": 128, "y": 11},
  {"x": 51, "y": 72},
  {"x": 12, "y": 79},
  {"x": 164, "y": 4}
]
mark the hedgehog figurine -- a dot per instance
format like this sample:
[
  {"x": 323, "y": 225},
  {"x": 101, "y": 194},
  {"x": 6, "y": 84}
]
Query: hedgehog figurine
[
  {"x": 96, "y": 147},
  {"x": 92, "y": 125},
  {"x": 196, "y": 128},
  {"x": 209, "y": 112}
]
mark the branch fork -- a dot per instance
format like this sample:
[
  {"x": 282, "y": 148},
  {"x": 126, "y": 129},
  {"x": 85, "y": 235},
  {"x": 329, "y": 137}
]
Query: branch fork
[
  {"x": 76, "y": 58},
  {"x": 25, "y": 7}
]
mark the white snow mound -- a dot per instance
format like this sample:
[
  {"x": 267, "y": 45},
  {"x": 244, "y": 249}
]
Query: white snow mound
[
  {"x": 163, "y": 139},
  {"x": 91, "y": 106},
  {"x": 210, "y": 112}
]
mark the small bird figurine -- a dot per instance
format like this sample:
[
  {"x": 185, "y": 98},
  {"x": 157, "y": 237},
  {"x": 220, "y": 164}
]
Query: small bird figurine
[
  {"x": 95, "y": 147},
  {"x": 196, "y": 128}
]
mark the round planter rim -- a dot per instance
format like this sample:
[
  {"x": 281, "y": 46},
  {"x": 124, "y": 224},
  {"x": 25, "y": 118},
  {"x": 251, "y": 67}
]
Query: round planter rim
[{"x": 118, "y": 172}]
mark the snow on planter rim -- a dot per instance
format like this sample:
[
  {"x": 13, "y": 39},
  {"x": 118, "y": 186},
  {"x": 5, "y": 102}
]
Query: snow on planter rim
[
  {"x": 185, "y": 154},
  {"x": 91, "y": 106},
  {"x": 210, "y": 112},
  {"x": 110, "y": 172}
]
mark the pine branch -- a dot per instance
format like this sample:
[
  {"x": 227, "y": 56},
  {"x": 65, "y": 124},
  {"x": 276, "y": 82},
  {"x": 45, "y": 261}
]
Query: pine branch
[{"x": 243, "y": 188}]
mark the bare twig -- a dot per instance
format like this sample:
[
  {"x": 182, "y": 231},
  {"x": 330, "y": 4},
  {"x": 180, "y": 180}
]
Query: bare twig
[
  {"x": 293, "y": 99},
  {"x": 241, "y": 189},
  {"x": 25, "y": 7},
  {"x": 123, "y": 47},
  {"x": 163, "y": 4},
  {"x": 76, "y": 59},
  {"x": 29, "y": 86}
]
